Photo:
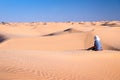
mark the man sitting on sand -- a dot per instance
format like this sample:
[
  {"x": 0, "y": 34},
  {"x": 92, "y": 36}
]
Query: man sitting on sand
[{"x": 97, "y": 43}]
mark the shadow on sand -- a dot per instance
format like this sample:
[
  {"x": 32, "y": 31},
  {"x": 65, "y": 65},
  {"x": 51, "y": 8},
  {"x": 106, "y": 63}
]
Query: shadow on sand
[{"x": 2, "y": 38}]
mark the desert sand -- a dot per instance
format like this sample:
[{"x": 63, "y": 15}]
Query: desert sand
[{"x": 59, "y": 51}]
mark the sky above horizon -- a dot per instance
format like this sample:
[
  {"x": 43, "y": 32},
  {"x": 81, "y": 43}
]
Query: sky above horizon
[{"x": 59, "y": 10}]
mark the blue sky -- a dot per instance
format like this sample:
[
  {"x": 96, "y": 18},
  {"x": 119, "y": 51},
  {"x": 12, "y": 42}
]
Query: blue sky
[{"x": 59, "y": 10}]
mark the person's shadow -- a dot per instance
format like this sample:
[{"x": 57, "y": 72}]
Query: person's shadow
[{"x": 92, "y": 48}]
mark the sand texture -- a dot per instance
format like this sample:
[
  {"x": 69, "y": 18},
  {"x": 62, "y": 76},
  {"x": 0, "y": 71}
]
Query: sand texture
[{"x": 59, "y": 51}]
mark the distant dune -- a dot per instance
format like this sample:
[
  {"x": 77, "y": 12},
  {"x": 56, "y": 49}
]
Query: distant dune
[{"x": 59, "y": 51}]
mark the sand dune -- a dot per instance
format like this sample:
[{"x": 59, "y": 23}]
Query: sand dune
[
  {"x": 58, "y": 51},
  {"x": 61, "y": 42},
  {"x": 59, "y": 36},
  {"x": 31, "y": 29},
  {"x": 110, "y": 37}
]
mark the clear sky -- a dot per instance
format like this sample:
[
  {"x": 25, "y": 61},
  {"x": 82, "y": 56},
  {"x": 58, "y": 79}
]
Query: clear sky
[{"x": 59, "y": 10}]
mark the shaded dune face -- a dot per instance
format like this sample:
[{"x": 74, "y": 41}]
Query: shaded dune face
[
  {"x": 2, "y": 38},
  {"x": 69, "y": 30},
  {"x": 111, "y": 24},
  {"x": 59, "y": 36}
]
